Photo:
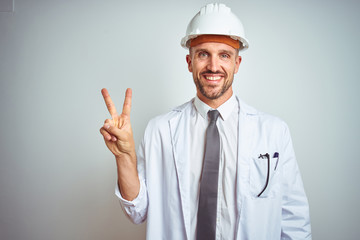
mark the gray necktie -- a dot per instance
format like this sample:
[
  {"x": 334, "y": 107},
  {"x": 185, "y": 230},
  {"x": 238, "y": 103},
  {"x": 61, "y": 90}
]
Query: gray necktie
[{"x": 206, "y": 222}]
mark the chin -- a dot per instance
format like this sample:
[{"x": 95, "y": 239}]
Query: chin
[{"x": 212, "y": 95}]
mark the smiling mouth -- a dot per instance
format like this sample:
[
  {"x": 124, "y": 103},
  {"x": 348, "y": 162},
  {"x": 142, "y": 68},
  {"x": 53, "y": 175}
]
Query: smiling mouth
[{"x": 212, "y": 78}]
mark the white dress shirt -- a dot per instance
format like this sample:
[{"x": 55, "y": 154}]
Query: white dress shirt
[{"x": 227, "y": 125}]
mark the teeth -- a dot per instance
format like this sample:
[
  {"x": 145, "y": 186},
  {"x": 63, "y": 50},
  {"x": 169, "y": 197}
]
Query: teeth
[{"x": 213, "y": 78}]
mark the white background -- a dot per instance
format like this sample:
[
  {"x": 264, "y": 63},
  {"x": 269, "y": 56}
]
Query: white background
[{"x": 57, "y": 178}]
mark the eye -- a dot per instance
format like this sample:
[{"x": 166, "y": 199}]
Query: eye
[
  {"x": 203, "y": 54},
  {"x": 225, "y": 55}
]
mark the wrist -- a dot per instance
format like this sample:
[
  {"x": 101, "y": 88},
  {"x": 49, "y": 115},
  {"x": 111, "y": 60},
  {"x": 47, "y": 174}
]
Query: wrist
[
  {"x": 126, "y": 166},
  {"x": 126, "y": 158}
]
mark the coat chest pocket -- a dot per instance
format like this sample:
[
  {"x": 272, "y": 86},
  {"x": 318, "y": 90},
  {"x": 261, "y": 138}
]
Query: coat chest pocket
[{"x": 265, "y": 175}]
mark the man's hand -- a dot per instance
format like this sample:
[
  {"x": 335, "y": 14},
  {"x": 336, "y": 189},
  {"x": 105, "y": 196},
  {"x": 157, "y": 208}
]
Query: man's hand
[
  {"x": 117, "y": 131},
  {"x": 119, "y": 139}
]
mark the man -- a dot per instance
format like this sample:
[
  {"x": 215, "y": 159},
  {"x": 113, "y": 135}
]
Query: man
[{"x": 213, "y": 168}]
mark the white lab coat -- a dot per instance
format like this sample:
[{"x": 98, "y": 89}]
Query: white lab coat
[{"x": 163, "y": 163}]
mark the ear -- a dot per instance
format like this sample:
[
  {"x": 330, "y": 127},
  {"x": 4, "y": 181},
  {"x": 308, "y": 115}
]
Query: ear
[
  {"x": 237, "y": 63},
  {"x": 188, "y": 60}
]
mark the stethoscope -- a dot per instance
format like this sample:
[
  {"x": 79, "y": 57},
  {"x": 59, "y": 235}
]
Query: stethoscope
[{"x": 267, "y": 156}]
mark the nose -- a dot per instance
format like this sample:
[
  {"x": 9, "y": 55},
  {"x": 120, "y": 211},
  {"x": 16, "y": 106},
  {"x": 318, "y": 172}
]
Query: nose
[{"x": 213, "y": 64}]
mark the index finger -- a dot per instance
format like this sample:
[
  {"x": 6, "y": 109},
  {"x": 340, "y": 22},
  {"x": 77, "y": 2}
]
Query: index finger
[
  {"x": 109, "y": 103},
  {"x": 127, "y": 102}
]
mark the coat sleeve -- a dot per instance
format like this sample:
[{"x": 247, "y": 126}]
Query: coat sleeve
[
  {"x": 295, "y": 209},
  {"x": 136, "y": 210}
]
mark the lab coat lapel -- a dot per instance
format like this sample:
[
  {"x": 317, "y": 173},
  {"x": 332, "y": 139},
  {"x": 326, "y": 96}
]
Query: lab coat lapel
[
  {"x": 180, "y": 137},
  {"x": 246, "y": 136}
]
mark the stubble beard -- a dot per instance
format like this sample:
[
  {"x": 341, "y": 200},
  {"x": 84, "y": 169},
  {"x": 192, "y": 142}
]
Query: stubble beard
[{"x": 210, "y": 94}]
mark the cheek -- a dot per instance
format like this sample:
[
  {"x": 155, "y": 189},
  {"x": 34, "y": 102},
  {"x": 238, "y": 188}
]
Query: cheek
[
  {"x": 198, "y": 66},
  {"x": 236, "y": 68},
  {"x": 232, "y": 67}
]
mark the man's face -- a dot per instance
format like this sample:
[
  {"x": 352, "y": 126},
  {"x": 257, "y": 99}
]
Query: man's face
[{"x": 213, "y": 66}]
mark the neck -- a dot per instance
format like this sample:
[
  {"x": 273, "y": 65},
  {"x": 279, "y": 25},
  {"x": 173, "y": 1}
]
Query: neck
[{"x": 215, "y": 103}]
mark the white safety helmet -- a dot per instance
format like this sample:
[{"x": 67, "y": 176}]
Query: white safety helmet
[{"x": 215, "y": 19}]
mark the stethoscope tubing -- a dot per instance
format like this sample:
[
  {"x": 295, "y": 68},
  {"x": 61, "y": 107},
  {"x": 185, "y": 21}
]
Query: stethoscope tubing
[{"x": 268, "y": 172}]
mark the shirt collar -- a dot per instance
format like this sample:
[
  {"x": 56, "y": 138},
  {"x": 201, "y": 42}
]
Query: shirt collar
[{"x": 225, "y": 109}]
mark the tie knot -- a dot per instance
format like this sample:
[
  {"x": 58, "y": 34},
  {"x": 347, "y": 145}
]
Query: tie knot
[{"x": 213, "y": 115}]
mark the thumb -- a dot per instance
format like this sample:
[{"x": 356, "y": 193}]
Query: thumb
[{"x": 113, "y": 130}]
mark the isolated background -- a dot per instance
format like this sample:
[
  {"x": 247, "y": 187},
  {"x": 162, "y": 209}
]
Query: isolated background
[{"x": 57, "y": 178}]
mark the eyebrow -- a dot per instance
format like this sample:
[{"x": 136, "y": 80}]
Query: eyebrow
[
  {"x": 227, "y": 52},
  {"x": 220, "y": 51}
]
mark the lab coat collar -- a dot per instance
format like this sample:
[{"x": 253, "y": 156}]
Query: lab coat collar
[
  {"x": 224, "y": 109},
  {"x": 244, "y": 107}
]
